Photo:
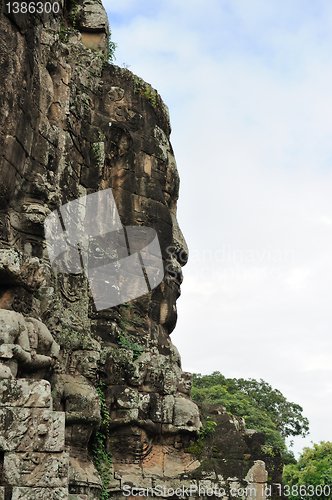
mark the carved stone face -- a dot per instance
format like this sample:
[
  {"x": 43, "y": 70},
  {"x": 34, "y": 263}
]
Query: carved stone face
[
  {"x": 141, "y": 170},
  {"x": 85, "y": 363},
  {"x": 185, "y": 383},
  {"x": 175, "y": 252},
  {"x": 77, "y": 129}
]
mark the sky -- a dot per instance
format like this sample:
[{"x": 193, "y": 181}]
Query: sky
[{"x": 249, "y": 89}]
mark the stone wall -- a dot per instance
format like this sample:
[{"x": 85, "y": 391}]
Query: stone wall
[
  {"x": 73, "y": 125},
  {"x": 32, "y": 441}
]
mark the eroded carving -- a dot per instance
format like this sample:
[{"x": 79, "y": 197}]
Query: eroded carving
[
  {"x": 75, "y": 394},
  {"x": 25, "y": 343}
]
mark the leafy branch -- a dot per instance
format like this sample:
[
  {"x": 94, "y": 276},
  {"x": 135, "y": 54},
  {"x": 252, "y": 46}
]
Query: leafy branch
[
  {"x": 111, "y": 49},
  {"x": 206, "y": 429}
]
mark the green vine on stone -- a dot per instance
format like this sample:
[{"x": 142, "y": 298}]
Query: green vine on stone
[
  {"x": 74, "y": 10},
  {"x": 63, "y": 32},
  {"x": 145, "y": 90},
  {"x": 111, "y": 49},
  {"x": 102, "y": 459},
  {"x": 126, "y": 339},
  {"x": 205, "y": 430}
]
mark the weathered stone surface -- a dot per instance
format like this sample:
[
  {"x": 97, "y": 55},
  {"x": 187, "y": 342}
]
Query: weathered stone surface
[
  {"x": 20, "y": 268},
  {"x": 77, "y": 394},
  {"x": 36, "y": 469},
  {"x": 25, "y": 393},
  {"x": 186, "y": 414},
  {"x": 132, "y": 474},
  {"x": 92, "y": 16},
  {"x": 72, "y": 125},
  {"x": 257, "y": 473},
  {"x": 177, "y": 462},
  {"x": 2, "y": 493},
  {"x": 24, "y": 429},
  {"x": 39, "y": 493},
  {"x": 257, "y": 478},
  {"x": 78, "y": 497},
  {"x": 82, "y": 472}
]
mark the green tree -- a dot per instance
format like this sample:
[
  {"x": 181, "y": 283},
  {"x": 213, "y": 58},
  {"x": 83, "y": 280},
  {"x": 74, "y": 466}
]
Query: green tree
[
  {"x": 263, "y": 408},
  {"x": 111, "y": 49},
  {"x": 311, "y": 476}
]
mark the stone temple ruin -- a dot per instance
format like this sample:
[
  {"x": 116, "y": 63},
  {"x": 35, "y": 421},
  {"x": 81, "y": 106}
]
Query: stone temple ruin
[{"x": 76, "y": 383}]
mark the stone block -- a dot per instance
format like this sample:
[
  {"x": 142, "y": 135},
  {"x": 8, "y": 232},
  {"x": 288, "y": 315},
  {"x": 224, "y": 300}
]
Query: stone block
[
  {"x": 7, "y": 181},
  {"x": 153, "y": 463},
  {"x": 31, "y": 429},
  {"x": 40, "y": 494},
  {"x": 168, "y": 409},
  {"x": 156, "y": 408},
  {"x": 44, "y": 470},
  {"x": 83, "y": 472},
  {"x": 257, "y": 473},
  {"x": 128, "y": 415},
  {"x": 14, "y": 153},
  {"x": 2, "y": 493},
  {"x": 25, "y": 393},
  {"x": 114, "y": 484},
  {"x": 176, "y": 462},
  {"x": 128, "y": 399},
  {"x": 144, "y": 402},
  {"x": 186, "y": 414},
  {"x": 132, "y": 474}
]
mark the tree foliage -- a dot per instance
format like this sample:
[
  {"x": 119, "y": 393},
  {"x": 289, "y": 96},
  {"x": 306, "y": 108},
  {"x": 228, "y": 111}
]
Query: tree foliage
[
  {"x": 312, "y": 471},
  {"x": 263, "y": 408},
  {"x": 111, "y": 49}
]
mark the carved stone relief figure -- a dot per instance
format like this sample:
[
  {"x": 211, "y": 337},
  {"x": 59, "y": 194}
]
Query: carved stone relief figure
[
  {"x": 75, "y": 394},
  {"x": 25, "y": 343}
]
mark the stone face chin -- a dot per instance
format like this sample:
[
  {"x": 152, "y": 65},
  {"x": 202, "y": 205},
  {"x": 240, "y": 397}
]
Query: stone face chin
[{"x": 79, "y": 381}]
